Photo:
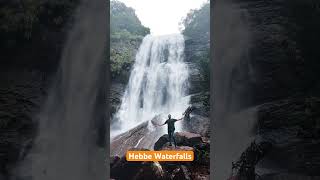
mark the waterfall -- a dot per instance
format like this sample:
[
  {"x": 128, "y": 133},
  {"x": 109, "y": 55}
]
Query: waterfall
[
  {"x": 158, "y": 82},
  {"x": 66, "y": 147}
]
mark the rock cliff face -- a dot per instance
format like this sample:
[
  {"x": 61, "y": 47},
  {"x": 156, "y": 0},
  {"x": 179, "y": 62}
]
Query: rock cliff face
[
  {"x": 196, "y": 46},
  {"x": 116, "y": 92},
  {"x": 22, "y": 94},
  {"x": 32, "y": 38},
  {"x": 292, "y": 127},
  {"x": 198, "y": 85},
  {"x": 197, "y": 50},
  {"x": 282, "y": 54},
  {"x": 275, "y": 73}
]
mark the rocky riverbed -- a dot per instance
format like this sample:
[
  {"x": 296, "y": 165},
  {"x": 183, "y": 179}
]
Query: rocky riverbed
[{"x": 195, "y": 170}]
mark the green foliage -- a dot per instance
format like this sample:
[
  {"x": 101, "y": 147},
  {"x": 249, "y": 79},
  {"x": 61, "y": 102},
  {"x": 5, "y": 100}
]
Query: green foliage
[
  {"x": 197, "y": 22},
  {"x": 124, "y": 18},
  {"x": 33, "y": 32},
  {"x": 126, "y": 34},
  {"x": 197, "y": 29},
  {"x": 120, "y": 60},
  {"x": 33, "y": 17}
]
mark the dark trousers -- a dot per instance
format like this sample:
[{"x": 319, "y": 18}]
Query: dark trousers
[{"x": 171, "y": 138}]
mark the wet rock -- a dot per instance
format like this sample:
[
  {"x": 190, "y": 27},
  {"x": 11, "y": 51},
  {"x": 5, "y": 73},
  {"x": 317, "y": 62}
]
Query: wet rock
[
  {"x": 128, "y": 140},
  {"x": 182, "y": 139},
  {"x": 285, "y": 176},
  {"x": 196, "y": 79},
  {"x": 177, "y": 170},
  {"x": 181, "y": 172},
  {"x": 22, "y": 93},
  {"x": 198, "y": 124},
  {"x": 185, "y": 170},
  {"x": 201, "y": 103},
  {"x": 292, "y": 126},
  {"x": 287, "y": 137},
  {"x": 114, "y": 160},
  {"x": 161, "y": 142},
  {"x": 116, "y": 93},
  {"x": 142, "y": 136},
  {"x": 177, "y": 148},
  {"x": 124, "y": 170},
  {"x": 196, "y": 170},
  {"x": 202, "y": 154},
  {"x": 188, "y": 138},
  {"x": 200, "y": 173},
  {"x": 189, "y": 142}
]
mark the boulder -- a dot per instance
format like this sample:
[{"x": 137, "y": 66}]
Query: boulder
[
  {"x": 124, "y": 170},
  {"x": 185, "y": 170},
  {"x": 140, "y": 136},
  {"x": 188, "y": 138},
  {"x": 189, "y": 142},
  {"x": 178, "y": 148},
  {"x": 182, "y": 139},
  {"x": 161, "y": 142},
  {"x": 182, "y": 172},
  {"x": 199, "y": 172},
  {"x": 198, "y": 124}
]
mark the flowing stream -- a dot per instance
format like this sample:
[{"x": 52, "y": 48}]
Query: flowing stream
[{"x": 158, "y": 83}]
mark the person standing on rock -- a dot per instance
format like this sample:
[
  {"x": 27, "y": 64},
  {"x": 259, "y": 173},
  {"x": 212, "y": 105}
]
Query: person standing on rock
[
  {"x": 170, "y": 122},
  {"x": 171, "y": 128}
]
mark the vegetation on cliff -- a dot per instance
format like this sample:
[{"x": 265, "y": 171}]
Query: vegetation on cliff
[
  {"x": 126, "y": 35},
  {"x": 197, "y": 23},
  {"x": 196, "y": 29},
  {"x": 33, "y": 32}
]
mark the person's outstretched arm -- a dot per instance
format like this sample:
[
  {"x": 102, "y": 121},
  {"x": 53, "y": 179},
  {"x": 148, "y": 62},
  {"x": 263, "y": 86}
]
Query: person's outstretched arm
[
  {"x": 160, "y": 124},
  {"x": 180, "y": 119},
  {"x": 163, "y": 124}
]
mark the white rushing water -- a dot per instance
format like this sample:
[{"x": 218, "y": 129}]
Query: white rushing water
[
  {"x": 66, "y": 147},
  {"x": 158, "y": 82}
]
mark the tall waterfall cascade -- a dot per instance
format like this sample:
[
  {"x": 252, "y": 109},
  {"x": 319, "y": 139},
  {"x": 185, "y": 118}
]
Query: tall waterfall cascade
[
  {"x": 158, "y": 82},
  {"x": 65, "y": 147}
]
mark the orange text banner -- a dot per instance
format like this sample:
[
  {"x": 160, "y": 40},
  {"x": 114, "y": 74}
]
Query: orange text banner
[{"x": 159, "y": 155}]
